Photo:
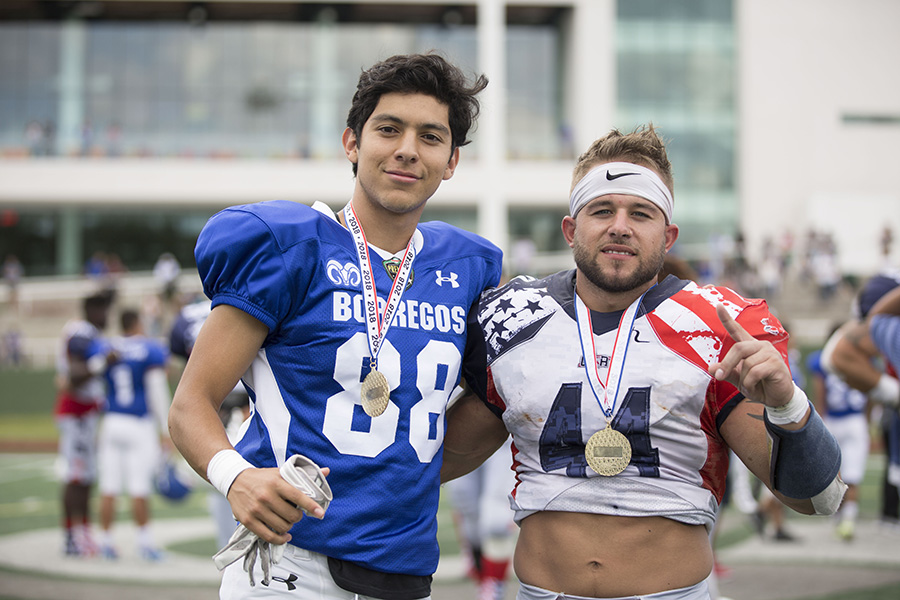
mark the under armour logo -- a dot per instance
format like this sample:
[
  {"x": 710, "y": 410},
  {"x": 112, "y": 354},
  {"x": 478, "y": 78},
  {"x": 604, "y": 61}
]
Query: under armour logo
[
  {"x": 346, "y": 274},
  {"x": 452, "y": 279},
  {"x": 289, "y": 582}
]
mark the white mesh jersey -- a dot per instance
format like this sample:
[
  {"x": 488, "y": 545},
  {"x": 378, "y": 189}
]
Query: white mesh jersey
[{"x": 668, "y": 405}]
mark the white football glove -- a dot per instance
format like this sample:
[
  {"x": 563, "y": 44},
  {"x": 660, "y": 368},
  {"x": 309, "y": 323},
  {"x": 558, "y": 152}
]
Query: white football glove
[{"x": 306, "y": 476}]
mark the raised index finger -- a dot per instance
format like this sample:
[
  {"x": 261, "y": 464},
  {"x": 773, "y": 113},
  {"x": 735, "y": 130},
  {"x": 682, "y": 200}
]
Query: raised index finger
[{"x": 737, "y": 333}]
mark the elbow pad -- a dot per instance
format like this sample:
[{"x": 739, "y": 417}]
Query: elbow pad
[{"x": 803, "y": 463}]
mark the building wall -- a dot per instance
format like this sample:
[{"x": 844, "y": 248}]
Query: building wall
[{"x": 820, "y": 123}]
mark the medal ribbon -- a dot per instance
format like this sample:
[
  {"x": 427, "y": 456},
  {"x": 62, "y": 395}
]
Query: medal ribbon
[
  {"x": 620, "y": 350},
  {"x": 377, "y": 325}
]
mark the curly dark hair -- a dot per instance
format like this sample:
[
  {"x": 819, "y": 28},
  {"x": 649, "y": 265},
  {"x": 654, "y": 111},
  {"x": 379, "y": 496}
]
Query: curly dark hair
[{"x": 429, "y": 74}]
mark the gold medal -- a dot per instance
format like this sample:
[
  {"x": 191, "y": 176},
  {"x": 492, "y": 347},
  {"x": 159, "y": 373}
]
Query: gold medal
[
  {"x": 375, "y": 393},
  {"x": 608, "y": 452}
]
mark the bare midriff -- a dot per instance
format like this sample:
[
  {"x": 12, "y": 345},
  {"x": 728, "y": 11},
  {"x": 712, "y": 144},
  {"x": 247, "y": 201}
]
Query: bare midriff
[{"x": 602, "y": 556}]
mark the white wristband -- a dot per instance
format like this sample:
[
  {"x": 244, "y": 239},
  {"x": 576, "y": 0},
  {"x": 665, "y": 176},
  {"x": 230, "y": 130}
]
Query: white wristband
[
  {"x": 886, "y": 391},
  {"x": 792, "y": 412},
  {"x": 224, "y": 468}
]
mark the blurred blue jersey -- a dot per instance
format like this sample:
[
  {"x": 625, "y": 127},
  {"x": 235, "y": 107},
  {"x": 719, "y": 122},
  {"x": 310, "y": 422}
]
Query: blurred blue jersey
[
  {"x": 295, "y": 269},
  {"x": 841, "y": 400},
  {"x": 125, "y": 391}
]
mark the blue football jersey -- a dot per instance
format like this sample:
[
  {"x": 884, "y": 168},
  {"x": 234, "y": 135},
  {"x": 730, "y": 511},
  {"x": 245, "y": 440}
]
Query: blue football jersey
[
  {"x": 125, "y": 391},
  {"x": 841, "y": 400},
  {"x": 296, "y": 270}
]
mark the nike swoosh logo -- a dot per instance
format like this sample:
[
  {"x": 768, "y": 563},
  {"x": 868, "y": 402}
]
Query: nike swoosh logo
[
  {"x": 639, "y": 341},
  {"x": 611, "y": 177}
]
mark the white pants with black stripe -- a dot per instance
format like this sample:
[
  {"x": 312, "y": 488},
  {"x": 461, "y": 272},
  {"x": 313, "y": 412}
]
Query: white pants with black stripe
[{"x": 299, "y": 575}]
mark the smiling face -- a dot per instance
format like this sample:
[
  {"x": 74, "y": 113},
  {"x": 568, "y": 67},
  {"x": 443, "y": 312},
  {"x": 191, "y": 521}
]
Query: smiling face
[
  {"x": 619, "y": 243},
  {"x": 402, "y": 155}
]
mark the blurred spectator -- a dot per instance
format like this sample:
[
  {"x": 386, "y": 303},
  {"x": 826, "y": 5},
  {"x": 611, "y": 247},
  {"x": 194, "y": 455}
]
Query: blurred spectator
[
  {"x": 87, "y": 139},
  {"x": 823, "y": 262},
  {"x": 50, "y": 138},
  {"x": 786, "y": 251},
  {"x": 484, "y": 521},
  {"x": 151, "y": 308},
  {"x": 137, "y": 406},
  {"x": 114, "y": 140},
  {"x": 887, "y": 240},
  {"x": 115, "y": 269},
  {"x": 770, "y": 271},
  {"x": 851, "y": 353},
  {"x": 166, "y": 272},
  {"x": 35, "y": 138},
  {"x": 844, "y": 411},
  {"x": 105, "y": 269},
  {"x": 80, "y": 395},
  {"x": 11, "y": 350},
  {"x": 96, "y": 266},
  {"x": 12, "y": 275}
]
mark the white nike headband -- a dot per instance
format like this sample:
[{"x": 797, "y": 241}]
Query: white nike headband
[{"x": 622, "y": 178}]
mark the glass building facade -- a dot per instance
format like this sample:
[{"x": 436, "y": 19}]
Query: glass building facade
[
  {"x": 251, "y": 89},
  {"x": 676, "y": 67},
  {"x": 244, "y": 90}
]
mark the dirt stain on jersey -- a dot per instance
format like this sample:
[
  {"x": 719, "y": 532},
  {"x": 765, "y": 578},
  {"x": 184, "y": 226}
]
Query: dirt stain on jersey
[{"x": 673, "y": 389}]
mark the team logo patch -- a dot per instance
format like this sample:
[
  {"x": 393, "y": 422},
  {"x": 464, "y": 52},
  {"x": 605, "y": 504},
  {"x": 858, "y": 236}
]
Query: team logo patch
[
  {"x": 346, "y": 274},
  {"x": 393, "y": 265},
  {"x": 513, "y": 314},
  {"x": 602, "y": 362},
  {"x": 770, "y": 329},
  {"x": 452, "y": 279}
]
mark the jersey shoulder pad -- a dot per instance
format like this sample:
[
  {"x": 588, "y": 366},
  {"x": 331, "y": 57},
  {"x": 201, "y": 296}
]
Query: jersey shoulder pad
[
  {"x": 240, "y": 256},
  {"x": 514, "y": 313},
  {"x": 751, "y": 313},
  {"x": 157, "y": 353}
]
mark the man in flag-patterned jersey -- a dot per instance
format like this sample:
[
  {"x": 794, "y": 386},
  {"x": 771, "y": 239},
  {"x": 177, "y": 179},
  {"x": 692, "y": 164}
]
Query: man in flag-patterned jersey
[{"x": 623, "y": 395}]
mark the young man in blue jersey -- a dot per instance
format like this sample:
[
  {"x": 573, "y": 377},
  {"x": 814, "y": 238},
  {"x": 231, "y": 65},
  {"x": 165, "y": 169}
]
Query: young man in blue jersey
[
  {"x": 137, "y": 404},
  {"x": 349, "y": 332},
  {"x": 624, "y": 395}
]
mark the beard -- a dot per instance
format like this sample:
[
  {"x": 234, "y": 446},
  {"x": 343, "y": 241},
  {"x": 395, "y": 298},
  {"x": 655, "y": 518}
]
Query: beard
[{"x": 611, "y": 280}]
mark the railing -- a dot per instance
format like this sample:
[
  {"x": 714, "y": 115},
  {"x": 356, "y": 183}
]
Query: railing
[{"x": 44, "y": 304}]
